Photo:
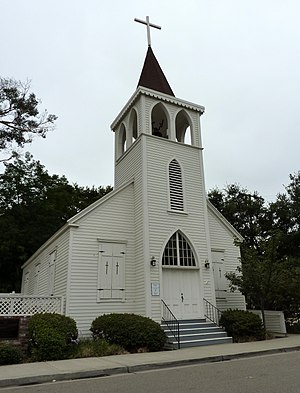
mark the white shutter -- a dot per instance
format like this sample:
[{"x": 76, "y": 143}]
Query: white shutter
[
  {"x": 26, "y": 284},
  {"x": 219, "y": 273},
  {"x": 105, "y": 272},
  {"x": 111, "y": 272},
  {"x": 51, "y": 279},
  {"x": 37, "y": 278},
  {"x": 51, "y": 276},
  {"x": 118, "y": 278}
]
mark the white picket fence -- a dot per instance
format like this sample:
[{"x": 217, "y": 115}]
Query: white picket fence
[{"x": 19, "y": 305}]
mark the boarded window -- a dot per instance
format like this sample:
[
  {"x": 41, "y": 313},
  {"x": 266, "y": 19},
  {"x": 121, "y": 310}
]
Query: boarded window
[
  {"x": 26, "y": 284},
  {"x": 218, "y": 265},
  {"x": 51, "y": 277},
  {"x": 175, "y": 186},
  {"x": 37, "y": 278},
  {"x": 178, "y": 252},
  {"x": 111, "y": 271}
]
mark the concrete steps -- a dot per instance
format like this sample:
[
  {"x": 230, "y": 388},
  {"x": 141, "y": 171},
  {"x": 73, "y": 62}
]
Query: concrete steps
[{"x": 196, "y": 332}]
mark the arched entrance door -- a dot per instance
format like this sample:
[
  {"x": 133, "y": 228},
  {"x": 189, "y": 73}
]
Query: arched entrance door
[{"x": 181, "y": 279}]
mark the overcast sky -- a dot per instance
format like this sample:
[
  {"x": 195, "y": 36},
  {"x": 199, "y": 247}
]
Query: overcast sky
[{"x": 237, "y": 58}]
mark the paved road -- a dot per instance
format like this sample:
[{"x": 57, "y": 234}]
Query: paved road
[{"x": 278, "y": 373}]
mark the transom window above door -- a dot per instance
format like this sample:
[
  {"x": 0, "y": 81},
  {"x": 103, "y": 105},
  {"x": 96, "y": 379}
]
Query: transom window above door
[{"x": 178, "y": 252}]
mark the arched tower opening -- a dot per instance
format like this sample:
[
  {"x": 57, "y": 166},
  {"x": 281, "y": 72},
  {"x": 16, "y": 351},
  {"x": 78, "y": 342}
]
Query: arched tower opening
[
  {"x": 121, "y": 144},
  {"x": 133, "y": 125},
  {"x": 160, "y": 121},
  {"x": 183, "y": 127}
]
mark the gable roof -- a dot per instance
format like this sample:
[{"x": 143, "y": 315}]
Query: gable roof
[
  {"x": 152, "y": 75},
  {"x": 98, "y": 202},
  {"x": 73, "y": 221},
  {"x": 224, "y": 221}
]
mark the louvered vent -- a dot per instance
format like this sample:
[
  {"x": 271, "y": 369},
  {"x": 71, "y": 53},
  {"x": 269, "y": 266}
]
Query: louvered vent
[{"x": 175, "y": 184}]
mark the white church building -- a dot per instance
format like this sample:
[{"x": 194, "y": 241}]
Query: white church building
[{"x": 155, "y": 239}]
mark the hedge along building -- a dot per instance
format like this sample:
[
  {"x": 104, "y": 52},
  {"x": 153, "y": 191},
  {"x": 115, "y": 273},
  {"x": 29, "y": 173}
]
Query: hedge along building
[{"x": 156, "y": 236}]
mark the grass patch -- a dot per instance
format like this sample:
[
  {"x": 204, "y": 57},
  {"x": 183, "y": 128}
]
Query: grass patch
[{"x": 87, "y": 348}]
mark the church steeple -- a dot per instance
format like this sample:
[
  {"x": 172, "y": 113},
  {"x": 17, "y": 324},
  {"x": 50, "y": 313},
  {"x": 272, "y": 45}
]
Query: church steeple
[
  {"x": 152, "y": 75},
  {"x": 154, "y": 111}
]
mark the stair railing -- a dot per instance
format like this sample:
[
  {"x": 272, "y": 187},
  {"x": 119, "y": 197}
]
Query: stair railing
[
  {"x": 171, "y": 321},
  {"x": 212, "y": 312}
]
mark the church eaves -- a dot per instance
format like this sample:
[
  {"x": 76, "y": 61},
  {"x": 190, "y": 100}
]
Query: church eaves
[{"x": 152, "y": 75}]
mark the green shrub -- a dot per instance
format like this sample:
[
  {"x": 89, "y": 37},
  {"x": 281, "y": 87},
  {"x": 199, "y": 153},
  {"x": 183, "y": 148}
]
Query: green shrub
[
  {"x": 10, "y": 354},
  {"x": 51, "y": 336},
  {"x": 242, "y": 325},
  {"x": 130, "y": 331}
]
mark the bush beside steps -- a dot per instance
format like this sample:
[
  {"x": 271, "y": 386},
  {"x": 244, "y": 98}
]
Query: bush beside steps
[
  {"x": 55, "y": 336},
  {"x": 132, "y": 332},
  {"x": 242, "y": 325}
]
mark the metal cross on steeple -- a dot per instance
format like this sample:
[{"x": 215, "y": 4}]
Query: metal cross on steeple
[{"x": 148, "y": 24}]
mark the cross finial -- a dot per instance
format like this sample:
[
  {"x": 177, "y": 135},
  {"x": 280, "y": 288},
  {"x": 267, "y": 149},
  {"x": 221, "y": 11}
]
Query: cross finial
[{"x": 148, "y": 24}]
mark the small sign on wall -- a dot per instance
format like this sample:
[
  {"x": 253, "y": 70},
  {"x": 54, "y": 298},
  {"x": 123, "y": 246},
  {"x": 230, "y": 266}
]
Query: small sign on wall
[{"x": 155, "y": 289}]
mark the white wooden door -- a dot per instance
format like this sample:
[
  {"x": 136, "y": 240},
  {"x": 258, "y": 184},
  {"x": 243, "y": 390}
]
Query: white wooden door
[
  {"x": 219, "y": 273},
  {"x": 181, "y": 292}
]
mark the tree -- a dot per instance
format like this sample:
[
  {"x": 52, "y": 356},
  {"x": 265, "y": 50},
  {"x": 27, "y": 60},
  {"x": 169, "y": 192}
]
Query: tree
[
  {"x": 269, "y": 274},
  {"x": 244, "y": 210},
  {"x": 285, "y": 216},
  {"x": 33, "y": 205},
  {"x": 20, "y": 118}
]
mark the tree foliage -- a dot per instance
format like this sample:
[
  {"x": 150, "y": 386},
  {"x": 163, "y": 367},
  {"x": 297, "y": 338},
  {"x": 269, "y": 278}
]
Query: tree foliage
[
  {"x": 269, "y": 275},
  {"x": 20, "y": 117},
  {"x": 244, "y": 210},
  {"x": 33, "y": 205}
]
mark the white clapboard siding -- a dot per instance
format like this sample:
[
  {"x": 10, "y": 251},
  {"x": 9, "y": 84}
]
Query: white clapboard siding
[
  {"x": 222, "y": 236},
  {"x": 130, "y": 166},
  {"x": 113, "y": 220},
  {"x": 162, "y": 221},
  {"x": 274, "y": 320},
  {"x": 59, "y": 244}
]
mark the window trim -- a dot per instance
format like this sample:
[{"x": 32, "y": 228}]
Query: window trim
[{"x": 192, "y": 257}]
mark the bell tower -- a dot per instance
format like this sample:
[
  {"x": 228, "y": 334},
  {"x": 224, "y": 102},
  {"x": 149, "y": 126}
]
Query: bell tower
[{"x": 158, "y": 148}]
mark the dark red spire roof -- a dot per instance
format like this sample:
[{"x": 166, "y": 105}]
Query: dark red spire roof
[{"x": 152, "y": 75}]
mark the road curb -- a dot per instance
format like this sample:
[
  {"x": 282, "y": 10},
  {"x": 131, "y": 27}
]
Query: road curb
[
  {"x": 209, "y": 359},
  {"x": 34, "y": 380}
]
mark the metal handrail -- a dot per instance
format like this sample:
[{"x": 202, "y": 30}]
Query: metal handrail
[
  {"x": 212, "y": 312},
  {"x": 171, "y": 321}
]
